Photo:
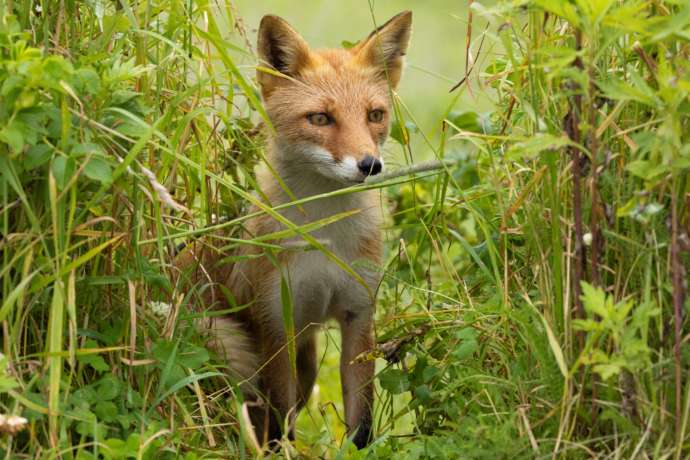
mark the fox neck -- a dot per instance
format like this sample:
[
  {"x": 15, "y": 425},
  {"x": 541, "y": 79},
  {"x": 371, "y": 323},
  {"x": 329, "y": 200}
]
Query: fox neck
[{"x": 303, "y": 182}]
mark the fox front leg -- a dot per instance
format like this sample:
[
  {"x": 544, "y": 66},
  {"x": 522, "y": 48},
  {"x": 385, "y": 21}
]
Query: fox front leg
[
  {"x": 279, "y": 385},
  {"x": 357, "y": 378}
]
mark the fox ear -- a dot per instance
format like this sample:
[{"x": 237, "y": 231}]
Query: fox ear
[
  {"x": 386, "y": 46},
  {"x": 280, "y": 48}
]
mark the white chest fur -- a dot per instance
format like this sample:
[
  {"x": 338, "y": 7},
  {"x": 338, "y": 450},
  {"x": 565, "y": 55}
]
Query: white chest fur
[{"x": 320, "y": 287}]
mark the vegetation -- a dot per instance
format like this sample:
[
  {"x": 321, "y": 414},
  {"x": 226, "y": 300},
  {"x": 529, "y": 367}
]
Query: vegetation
[{"x": 534, "y": 300}]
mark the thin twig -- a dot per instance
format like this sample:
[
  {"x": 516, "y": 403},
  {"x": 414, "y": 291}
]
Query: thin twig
[
  {"x": 426, "y": 166},
  {"x": 572, "y": 128},
  {"x": 468, "y": 42},
  {"x": 468, "y": 72}
]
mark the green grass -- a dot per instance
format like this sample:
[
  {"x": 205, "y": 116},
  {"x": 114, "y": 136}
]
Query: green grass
[{"x": 534, "y": 298}]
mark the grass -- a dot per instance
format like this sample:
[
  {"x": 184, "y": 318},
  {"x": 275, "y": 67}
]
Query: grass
[{"x": 534, "y": 301}]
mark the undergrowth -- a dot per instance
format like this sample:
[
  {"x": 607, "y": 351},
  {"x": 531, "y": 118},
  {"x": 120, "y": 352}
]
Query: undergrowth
[{"x": 534, "y": 298}]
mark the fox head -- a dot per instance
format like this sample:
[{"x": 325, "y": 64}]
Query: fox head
[{"x": 330, "y": 108}]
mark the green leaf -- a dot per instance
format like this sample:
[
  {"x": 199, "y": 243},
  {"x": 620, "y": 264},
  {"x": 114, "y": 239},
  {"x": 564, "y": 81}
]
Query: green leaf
[
  {"x": 606, "y": 371},
  {"x": 116, "y": 23},
  {"x": 115, "y": 449},
  {"x": 466, "y": 333},
  {"x": 394, "y": 381},
  {"x": 672, "y": 24},
  {"x": 623, "y": 91},
  {"x": 7, "y": 383},
  {"x": 429, "y": 373},
  {"x": 99, "y": 170},
  {"x": 87, "y": 423},
  {"x": 556, "y": 58},
  {"x": 595, "y": 300},
  {"x": 84, "y": 397},
  {"x": 646, "y": 170},
  {"x": 288, "y": 322},
  {"x": 563, "y": 9},
  {"x": 402, "y": 133},
  {"x": 109, "y": 387},
  {"x": 469, "y": 121},
  {"x": 193, "y": 356},
  {"x": 134, "y": 442},
  {"x": 8, "y": 303},
  {"x": 166, "y": 353},
  {"x": 86, "y": 80},
  {"x": 94, "y": 360},
  {"x": 63, "y": 170},
  {"x": 628, "y": 17},
  {"x": 465, "y": 350},
  {"x": 423, "y": 393},
  {"x": 55, "y": 339},
  {"x": 105, "y": 411},
  {"x": 588, "y": 325},
  {"x": 12, "y": 83},
  {"x": 56, "y": 69},
  {"x": 536, "y": 144},
  {"x": 37, "y": 156},
  {"x": 13, "y": 136}
]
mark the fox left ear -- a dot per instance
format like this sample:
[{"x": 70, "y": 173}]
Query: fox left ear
[
  {"x": 282, "y": 49},
  {"x": 386, "y": 46}
]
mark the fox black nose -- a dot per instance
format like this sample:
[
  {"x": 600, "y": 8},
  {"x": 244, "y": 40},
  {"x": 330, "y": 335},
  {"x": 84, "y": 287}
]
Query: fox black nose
[{"x": 369, "y": 165}]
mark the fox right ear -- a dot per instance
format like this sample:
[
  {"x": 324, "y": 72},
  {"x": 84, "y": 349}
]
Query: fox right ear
[
  {"x": 386, "y": 46},
  {"x": 280, "y": 48}
]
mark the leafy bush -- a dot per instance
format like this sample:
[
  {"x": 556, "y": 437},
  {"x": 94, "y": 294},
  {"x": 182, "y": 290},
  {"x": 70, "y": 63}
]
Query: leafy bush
[
  {"x": 89, "y": 230},
  {"x": 543, "y": 302}
]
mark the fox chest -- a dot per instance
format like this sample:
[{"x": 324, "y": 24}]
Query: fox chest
[{"x": 321, "y": 289}]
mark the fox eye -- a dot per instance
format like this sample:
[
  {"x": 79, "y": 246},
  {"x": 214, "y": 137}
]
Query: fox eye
[
  {"x": 319, "y": 119},
  {"x": 375, "y": 116}
]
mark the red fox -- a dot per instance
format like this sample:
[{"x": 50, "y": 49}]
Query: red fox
[{"x": 330, "y": 110}]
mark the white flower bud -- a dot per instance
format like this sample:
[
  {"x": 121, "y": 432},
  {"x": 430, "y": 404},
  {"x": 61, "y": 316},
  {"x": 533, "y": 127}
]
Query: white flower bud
[
  {"x": 160, "y": 308},
  {"x": 587, "y": 239},
  {"x": 12, "y": 424}
]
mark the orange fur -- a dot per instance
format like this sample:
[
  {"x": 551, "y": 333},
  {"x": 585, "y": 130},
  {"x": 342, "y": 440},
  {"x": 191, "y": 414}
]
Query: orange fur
[{"x": 349, "y": 91}]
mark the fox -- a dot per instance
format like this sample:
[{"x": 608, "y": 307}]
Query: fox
[{"x": 330, "y": 111}]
